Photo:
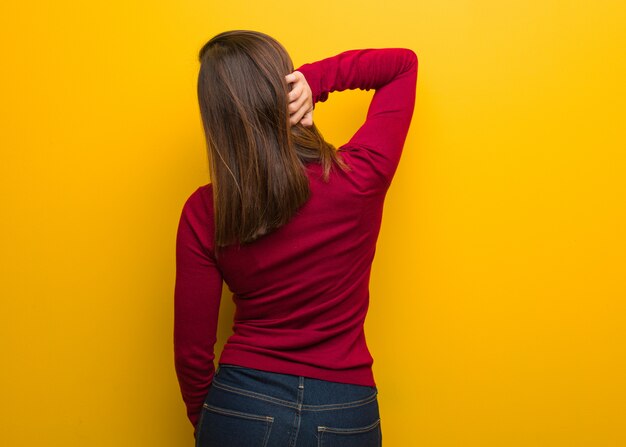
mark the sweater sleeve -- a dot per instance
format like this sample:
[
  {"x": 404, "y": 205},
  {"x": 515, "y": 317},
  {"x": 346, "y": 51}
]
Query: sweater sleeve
[
  {"x": 392, "y": 72},
  {"x": 197, "y": 294}
]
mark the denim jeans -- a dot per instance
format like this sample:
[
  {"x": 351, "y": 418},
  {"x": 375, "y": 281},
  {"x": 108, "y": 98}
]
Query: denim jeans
[{"x": 251, "y": 408}]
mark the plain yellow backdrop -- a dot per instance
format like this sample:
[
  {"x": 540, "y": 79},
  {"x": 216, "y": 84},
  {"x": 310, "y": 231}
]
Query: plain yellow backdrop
[{"x": 497, "y": 314}]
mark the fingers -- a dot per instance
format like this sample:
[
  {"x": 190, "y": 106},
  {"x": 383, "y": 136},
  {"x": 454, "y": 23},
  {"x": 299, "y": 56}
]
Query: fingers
[
  {"x": 298, "y": 79},
  {"x": 300, "y": 105},
  {"x": 293, "y": 77},
  {"x": 297, "y": 116},
  {"x": 295, "y": 93},
  {"x": 297, "y": 104},
  {"x": 303, "y": 116},
  {"x": 307, "y": 119}
]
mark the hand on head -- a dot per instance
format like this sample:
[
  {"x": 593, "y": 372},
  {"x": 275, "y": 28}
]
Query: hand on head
[{"x": 300, "y": 100}]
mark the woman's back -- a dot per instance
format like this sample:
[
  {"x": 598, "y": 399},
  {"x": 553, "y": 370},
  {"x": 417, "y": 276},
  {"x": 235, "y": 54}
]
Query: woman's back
[{"x": 301, "y": 291}]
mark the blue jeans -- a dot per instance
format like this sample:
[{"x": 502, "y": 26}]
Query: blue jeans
[{"x": 251, "y": 408}]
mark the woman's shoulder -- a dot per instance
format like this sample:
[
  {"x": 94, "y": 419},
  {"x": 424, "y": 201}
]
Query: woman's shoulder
[
  {"x": 203, "y": 193},
  {"x": 206, "y": 190},
  {"x": 200, "y": 202}
]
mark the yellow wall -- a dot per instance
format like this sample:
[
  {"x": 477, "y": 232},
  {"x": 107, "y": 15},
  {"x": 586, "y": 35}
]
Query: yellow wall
[{"x": 498, "y": 292}]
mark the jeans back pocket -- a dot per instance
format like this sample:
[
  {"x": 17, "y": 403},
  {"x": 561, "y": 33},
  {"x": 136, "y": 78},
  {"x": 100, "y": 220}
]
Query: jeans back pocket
[
  {"x": 368, "y": 436},
  {"x": 221, "y": 427}
]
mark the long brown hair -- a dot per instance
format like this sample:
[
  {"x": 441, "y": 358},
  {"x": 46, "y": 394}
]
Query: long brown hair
[{"x": 256, "y": 157}]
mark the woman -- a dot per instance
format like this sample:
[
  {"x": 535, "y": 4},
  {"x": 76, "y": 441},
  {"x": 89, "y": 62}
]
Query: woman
[{"x": 290, "y": 224}]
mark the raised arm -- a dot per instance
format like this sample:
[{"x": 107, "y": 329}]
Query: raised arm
[
  {"x": 392, "y": 72},
  {"x": 197, "y": 295}
]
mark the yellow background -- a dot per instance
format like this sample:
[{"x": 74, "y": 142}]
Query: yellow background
[{"x": 498, "y": 292}]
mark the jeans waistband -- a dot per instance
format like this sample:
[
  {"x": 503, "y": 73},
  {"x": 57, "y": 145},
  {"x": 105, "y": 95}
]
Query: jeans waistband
[{"x": 292, "y": 391}]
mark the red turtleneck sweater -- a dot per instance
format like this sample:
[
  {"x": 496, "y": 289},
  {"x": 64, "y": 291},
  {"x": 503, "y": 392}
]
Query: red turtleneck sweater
[{"x": 302, "y": 291}]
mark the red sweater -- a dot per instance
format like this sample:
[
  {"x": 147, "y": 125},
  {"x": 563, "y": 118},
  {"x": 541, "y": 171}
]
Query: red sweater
[{"x": 301, "y": 292}]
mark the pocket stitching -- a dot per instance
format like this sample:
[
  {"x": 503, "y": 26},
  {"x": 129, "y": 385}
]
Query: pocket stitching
[
  {"x": 234, "y": 413},
  {"x": 238, "y": 413},
  {"x": 348, "y": 431},
  {"x": 341, "y": 406}
]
